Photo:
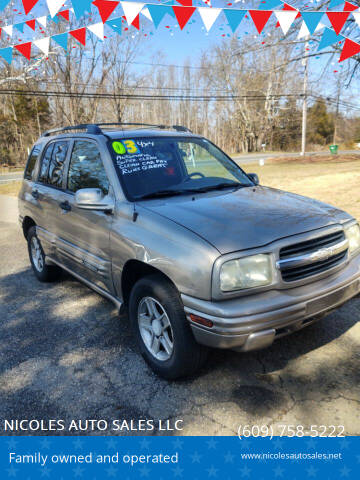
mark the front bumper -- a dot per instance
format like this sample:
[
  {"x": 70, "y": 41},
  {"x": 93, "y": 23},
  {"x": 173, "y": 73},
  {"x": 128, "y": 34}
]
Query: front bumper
[{"x": 253, "y": 322}]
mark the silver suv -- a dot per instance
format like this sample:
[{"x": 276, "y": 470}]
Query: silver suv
[{"x": 165, "y": 224}]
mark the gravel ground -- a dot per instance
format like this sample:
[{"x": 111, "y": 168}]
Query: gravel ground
[{"x": 66, "y": 354}]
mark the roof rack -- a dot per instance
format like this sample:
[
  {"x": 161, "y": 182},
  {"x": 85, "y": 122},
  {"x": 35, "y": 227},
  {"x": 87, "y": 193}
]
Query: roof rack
[{"x": 94, "y": 128}]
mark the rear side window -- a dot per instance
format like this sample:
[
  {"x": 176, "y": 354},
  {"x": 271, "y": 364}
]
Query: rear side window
[
  {"x": 57, "y": 164},
  {"x": 45, "y": 163},
  {"x": 32, "y": 162},
  {"x": 86, "y": 169}
]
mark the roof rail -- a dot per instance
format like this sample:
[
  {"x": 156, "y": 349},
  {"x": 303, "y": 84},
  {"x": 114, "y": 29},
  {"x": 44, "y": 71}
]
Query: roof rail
[{"x": 94, "y": 128}]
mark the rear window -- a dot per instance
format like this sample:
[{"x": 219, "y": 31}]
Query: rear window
[{"x": 30, "y": 166}]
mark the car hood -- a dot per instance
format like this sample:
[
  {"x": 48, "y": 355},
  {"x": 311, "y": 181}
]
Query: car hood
[{"x": 248, "y": 217}]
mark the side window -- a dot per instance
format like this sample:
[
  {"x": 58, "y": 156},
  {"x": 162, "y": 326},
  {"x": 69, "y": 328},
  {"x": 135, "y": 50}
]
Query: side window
[
  {"x": 31, "y": 162},
  {"x": 57, "y": 164},
  {"x": 45, "y": 163},
  {"x": 86, "y": 169}
]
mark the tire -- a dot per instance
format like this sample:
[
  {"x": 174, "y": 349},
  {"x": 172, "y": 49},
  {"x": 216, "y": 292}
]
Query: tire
[
  {"x": 43, "y": 272},
  {"x": 186, "y": 356}
]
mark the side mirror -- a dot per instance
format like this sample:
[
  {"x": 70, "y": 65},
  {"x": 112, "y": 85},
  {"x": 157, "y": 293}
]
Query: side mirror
[
  {"x": 93, "y": 199},
  {"x": 254, "y": 178}
]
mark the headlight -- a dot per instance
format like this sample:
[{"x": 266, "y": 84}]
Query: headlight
[
  {"x": 247, "y": 272},
  {"x": 353, "y": 235}
]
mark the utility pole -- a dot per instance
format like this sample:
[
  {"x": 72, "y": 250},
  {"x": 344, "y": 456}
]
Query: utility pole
[{"x": 304, "y": 112}]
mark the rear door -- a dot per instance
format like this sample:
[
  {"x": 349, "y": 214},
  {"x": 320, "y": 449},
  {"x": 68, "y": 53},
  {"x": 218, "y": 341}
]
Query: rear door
[{"x": 83, "y": 236}]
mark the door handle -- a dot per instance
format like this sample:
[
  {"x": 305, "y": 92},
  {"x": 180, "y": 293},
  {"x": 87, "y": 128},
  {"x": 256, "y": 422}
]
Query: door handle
[
  {"x": 65, "y": 206},
  {"x": 35, "y": 194}
]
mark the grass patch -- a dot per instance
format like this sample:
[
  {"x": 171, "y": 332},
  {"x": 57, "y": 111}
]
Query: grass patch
[{"x": 11, "y": 188}]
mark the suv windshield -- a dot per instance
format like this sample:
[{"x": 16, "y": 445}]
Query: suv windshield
[{"x": 164, "y": 166}]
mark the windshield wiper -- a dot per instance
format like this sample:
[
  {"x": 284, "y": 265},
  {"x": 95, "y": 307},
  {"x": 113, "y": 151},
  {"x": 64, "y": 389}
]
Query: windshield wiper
[
  {"x": 161, "y": 193},
  {"x": 184, "y": 191},
  {"x": 220, "y": 186}
]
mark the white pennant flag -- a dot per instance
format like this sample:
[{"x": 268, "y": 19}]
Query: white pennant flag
[
  {"x": 209, "y": 16},
  {"x": 43, "y": 44},
  {"x": 8, "y": 30},
  {"x": 131, "y": 10},
  {"x": 357, "y": 17},
  {"x": 285, "y": 19},
  {"x": 97, "y": 29},
  {"x": 146, "y": 13},
  {"x": 42, "y": 21},
  {"x": 54, "y": 6},
  {"x": 304, "y": 31}
]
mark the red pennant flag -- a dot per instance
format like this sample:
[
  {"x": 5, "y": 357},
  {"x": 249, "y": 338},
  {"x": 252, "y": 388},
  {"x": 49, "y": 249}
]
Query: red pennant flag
[
  {"x": 31, "y": 24},
  {"x": 350, "y": 48},
  {"x": 337, "y": 20},
  {"x": 350, "y": 7},
  {"x": 185, "y": 3},
  {"x": 183, "y": 15},
  {"x": 106, "y": 8},
  {"x": 64, "y": 14},
  {"x": 29, "y": 5},
  {"x": 79, "y": 35},
  {"x": 289, "y": 7},
  {"x": 260, "y": 18},
  {"x": 136, "y": 22},
  {"x": 24, "y": 49}
]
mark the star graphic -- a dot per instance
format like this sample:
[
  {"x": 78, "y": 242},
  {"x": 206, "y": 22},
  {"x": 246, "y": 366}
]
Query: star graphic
[
  {"x": 45, "y": 443},
  {"x": 45, "y": 472},
  {"x": 195, "y": 457},
  {"x": 278, "y": 443},
  {"x": 78, "y": 443},
  {"x": 311, "y": 471},
  {"x": 344, "y": 443},
  {"x": 344, "y": 472},
  {"x": 144, "y": 443},
  {"x": 111, "y": 443},
  {"x": 278, "y": 471},
  {"x": 245, "y": 471},
  {"x": 229, "y": 457},
  {"x": 311, "y": 443},
  {"x": 245, "y": 444},
  {"x": 144, "y": 472},
  {"x": 178, "y": 471},
  {"x": 78, "y": 471},
  {"x": 212, "y": 471},
  {"x": 178, "y": 443},
  {"x": 12, "y": 472},
  {"x": 12, "y": 443},
  {"x": 358, "y": 458},
  {"x": 111, "y": 472},
  {"x": 211, "y": 443}
]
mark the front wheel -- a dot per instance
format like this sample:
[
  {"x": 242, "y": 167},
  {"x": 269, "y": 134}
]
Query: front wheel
[
  {"x": 161, "y": 329},
  {"x": 43, "y": 272}
]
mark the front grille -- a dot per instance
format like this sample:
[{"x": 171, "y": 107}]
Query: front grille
[{"x": 291, "y": 274}]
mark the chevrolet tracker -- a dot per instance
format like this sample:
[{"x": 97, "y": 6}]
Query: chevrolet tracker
[{"x": 163, "y": 223}]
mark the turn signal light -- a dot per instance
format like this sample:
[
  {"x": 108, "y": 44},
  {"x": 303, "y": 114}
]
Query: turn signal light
[{"x": 201, "y": 320}]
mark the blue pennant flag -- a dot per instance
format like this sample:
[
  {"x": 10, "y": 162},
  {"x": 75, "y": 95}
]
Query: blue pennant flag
[
  {"x": 115, "y": 24},
  {"x": 61, "y": 39},
  {"x": 3, "y": 4},
  {"x": 20, "y": 26},
  {"x": 81, "y": 6},
  {"x": 334, "y": 3},
  {"x": 269, "y": 4},
  {"x": 311, "y": 20},
  {"x": 234, "y": 17},
  {"x": 6, "y": 54},
  {"x": 329, "y": 37},
  {"x": 158, "y": 12}
]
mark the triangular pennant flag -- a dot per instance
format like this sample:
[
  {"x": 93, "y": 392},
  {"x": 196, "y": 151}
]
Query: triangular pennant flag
[
  {"x": 357, "y": 17},
  {"x": 29, "y": 5},
  {"x": 234, "y": 17},
  {"x": 115, "y": 24},
  {"x": 20, "y": 26},
  {"x": 285, "y": 19},
  {"x": 185, "y": 3},
  {"x": 311, "y": 20},
  {"x": 97, "y": 29},
  {"x": 260, "y": 18},
  {"x": 158, "y": 12},
  {"x": 334, "y": 3},
  {"x": 31, "y": 24},
  {"x": 289, "y": 7},
  {"x": 136, "y": 22},
  {"x": 81, "y": 6},
  {"x": 61, "y": 39},
  {"x": 350, "y": 49},
  {"x": 303, "y": 32},
  {"x": 64, "y": 14},
  {"x": 209, "y": 16},
  {"x": 42, "y": 21},
  {"x": 268, "y": 4},
  {"x": 146, "y": 13},
  {"x": 183, "y": 15},
  {"x": 105, "y": 7},
  {"x": 24, "y": 49},
  {"x": 43, "y": 44},
  {"x": 337, "y": 20},
  {"x": 79, "y": 34},
  {"x": 54, "y": 19},
  {"x": 131, "y": 10},
  {"x": 54, "y": 6},
  {"x": 349, "y": 7},
  {"x": 6, "y": 54},
  {"x": 328, "y": 38},
  {"x": 3, "y": 4},
  {"x": 8, "y": 29}
]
